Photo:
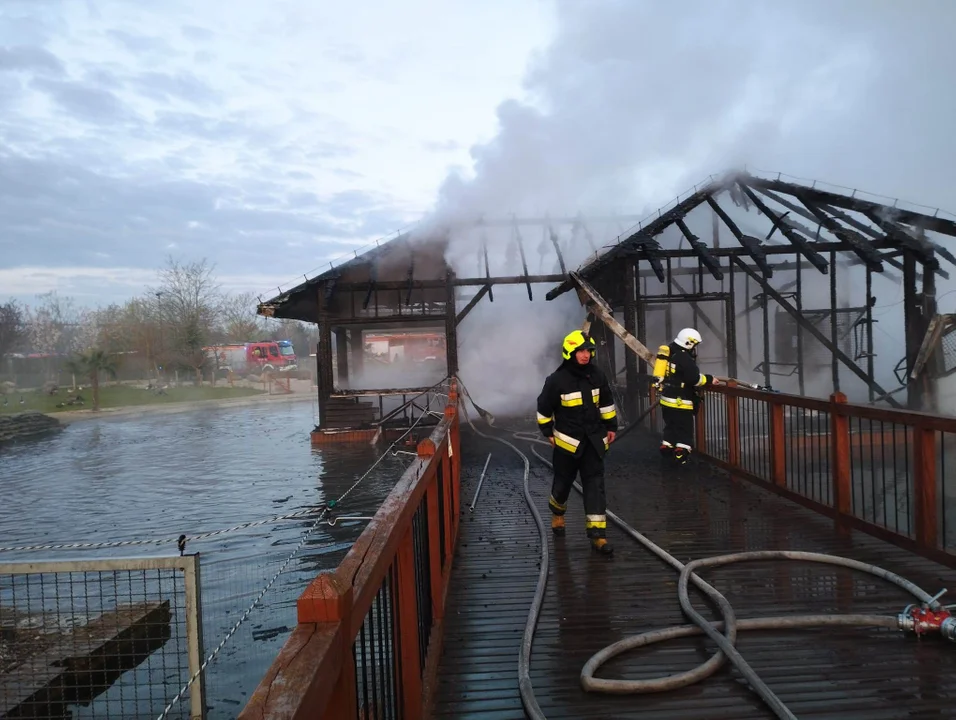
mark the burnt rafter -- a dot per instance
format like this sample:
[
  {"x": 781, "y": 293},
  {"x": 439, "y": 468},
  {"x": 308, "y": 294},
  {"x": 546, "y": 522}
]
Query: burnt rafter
[
  {"x": 866, "y": 229},
  {"x": 902, "y": 235},
  {"x": 485, "y": 289},
  {"x": 524, "y": 261},
  {"x": 703, "y": 252},
  {"x": 373, "y": 276},
  {"x": 411, "y": 274},
  {"x": 484, "y": 251},
  {"x": 330, "y": 287},
  {"x": 866, "y": 252},
  {"x": 779, "y": 222},
  {"x": 848, "y": 202},
  {"x": 844, "y": 218},
  {"x": 554, "y": 241},
  {"x": 752, "y": 245}
]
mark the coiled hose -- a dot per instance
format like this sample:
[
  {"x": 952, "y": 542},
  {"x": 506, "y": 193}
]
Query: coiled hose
[{"x": 730, "y": 625}]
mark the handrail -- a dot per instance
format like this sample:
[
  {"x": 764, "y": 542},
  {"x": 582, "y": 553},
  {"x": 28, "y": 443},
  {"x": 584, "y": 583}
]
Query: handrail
[
  {"x": 369, "y": 632},
  {"x": 878, "y": 470}
]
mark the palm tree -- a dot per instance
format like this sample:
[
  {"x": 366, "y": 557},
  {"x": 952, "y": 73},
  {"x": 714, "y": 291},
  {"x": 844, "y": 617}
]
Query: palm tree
[{"x": 92, "y": 363}]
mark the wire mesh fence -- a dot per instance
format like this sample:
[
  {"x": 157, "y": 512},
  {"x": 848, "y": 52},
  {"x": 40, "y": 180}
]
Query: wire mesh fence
[{"x": 108, "y": 638}]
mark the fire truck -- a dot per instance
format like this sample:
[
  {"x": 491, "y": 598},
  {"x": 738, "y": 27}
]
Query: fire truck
[
  {"x": 288, "y": 352},
  {"x": 246, "y": 358}
]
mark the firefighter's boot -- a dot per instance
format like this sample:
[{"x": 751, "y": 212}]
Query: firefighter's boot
[
  {"x": 667, "y": 450},
  {"x": 681, "y": 456},
  {"x": 557, "y": 524},
  {"x": 602, "y": 546}
]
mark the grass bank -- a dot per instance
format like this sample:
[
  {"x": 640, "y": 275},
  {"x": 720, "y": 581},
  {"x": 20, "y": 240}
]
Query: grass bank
[{"x": 122, "y": 396}]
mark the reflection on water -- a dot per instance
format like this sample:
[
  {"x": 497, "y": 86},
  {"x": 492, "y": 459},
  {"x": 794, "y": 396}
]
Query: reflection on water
[{"x": 158, "y": 477}]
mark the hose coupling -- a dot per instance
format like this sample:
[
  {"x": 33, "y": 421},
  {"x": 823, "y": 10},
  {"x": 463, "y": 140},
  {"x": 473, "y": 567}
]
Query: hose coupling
[{"x": 921, "y": 620}]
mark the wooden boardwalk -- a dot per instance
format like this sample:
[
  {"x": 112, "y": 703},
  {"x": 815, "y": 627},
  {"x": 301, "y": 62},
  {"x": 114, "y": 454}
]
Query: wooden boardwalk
[{"x": 593, "y": 601}]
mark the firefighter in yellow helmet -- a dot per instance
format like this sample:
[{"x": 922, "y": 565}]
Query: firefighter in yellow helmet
[
  {"x": 678, "y": 378},
  {"x": 576, "y": 413}
]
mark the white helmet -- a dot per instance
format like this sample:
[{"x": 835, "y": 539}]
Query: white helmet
[{"x": 688, "y": 338}]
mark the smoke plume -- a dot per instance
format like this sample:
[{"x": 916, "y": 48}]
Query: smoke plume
[{"x": 634, "y": 102}]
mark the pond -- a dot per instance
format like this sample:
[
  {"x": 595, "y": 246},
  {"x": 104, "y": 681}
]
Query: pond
[{"x": 156, "y": 477}]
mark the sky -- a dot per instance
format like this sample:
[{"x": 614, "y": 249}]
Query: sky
[
  {"x": 266, "y": 137},
  {"x": 273, "y": 137}
]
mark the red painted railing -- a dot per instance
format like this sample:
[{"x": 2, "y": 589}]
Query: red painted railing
[
  {"x": 368, "y": 637},
  {"x": 885, "y": 472}
]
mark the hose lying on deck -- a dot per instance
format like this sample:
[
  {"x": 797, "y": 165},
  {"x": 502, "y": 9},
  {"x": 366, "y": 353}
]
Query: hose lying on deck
[{"x": 730, "y": 625}]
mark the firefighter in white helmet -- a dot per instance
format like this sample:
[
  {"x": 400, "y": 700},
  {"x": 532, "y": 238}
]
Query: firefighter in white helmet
[{"x": 677, "y": 378}]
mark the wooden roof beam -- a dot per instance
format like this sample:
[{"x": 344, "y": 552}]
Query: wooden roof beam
[
  {"x": 815, "y": 258},
  {"x": 703, "y": 252}
]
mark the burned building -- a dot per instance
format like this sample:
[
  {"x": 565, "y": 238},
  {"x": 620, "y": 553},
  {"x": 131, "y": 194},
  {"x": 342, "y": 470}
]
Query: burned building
[{"x": 786, "y": 281}]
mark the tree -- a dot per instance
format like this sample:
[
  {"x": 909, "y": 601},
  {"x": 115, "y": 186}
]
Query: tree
[
  {"x": 13, "y": 328},
  {"x": 91, "y": 364},
  {"x": 190, "y": 304},
  {"x": 240, "y": 323}
]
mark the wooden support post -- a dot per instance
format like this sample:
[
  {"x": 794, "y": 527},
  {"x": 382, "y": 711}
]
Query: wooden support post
[
  {"x": 323, "y": 358},
  {"x": 778, "y": 444},
  {"x": 630, "y": 324},
  {"x": 406, "y": 620},
  {"x": 911, "y": 318},
  {"x": 730, "y": 317},
  {"x": 329, "y": 600},
  {"x": 357, "y": 343},
  {"x": 840, "y": 461},
  {"x": 924, "y": 472},
  {"x": 342, "y": 357},
  {"x": 451, "y": 326},
  {"x": 834, "y": 339},
  {"x": 733, "y": 425}
]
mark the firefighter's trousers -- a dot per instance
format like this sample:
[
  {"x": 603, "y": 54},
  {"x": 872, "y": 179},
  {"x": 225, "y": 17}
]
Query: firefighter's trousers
[
  {"x": 678, "y": 431},
  {"x": 591, "y": 467}
]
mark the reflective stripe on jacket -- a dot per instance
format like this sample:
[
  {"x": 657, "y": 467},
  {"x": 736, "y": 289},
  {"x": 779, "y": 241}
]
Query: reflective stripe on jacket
[
  {"x": 681, "y": 380},
  {"x": 576, "y": 404}
]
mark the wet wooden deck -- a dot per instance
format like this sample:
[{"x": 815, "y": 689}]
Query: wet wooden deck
[{"x": 593, "y": 601}]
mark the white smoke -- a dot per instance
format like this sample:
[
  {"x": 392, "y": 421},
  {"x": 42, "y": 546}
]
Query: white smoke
[{"x": 634, "y": 102}]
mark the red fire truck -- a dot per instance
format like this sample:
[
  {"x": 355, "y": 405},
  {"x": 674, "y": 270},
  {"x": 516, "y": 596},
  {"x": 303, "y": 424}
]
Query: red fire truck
[{"x": 246, "y": 358}]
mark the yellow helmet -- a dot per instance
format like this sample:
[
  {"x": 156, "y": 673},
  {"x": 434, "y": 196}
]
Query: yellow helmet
[{"x": 574, "y": 342}]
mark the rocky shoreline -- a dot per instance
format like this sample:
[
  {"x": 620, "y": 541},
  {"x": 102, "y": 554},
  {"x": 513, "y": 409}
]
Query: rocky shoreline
[{"x": 27, "y": 426}]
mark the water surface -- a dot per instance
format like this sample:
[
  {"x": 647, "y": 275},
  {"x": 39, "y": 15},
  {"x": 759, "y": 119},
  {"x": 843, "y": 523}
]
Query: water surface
[{"x": 116, "y": 479}]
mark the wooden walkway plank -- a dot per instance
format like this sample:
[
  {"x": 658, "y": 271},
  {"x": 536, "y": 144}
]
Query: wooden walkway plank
[{"x": 592, "y": 601}]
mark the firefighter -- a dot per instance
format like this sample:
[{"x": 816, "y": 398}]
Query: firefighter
[
  {"x": 678, "y": 378},
  {"x": 576, "y": 413}
]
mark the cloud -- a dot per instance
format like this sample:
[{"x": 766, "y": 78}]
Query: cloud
[
  {"x": 30, "y": 58},
  {"x": 140, "y": 44},
  {"x": 267, "y": 139},
  {"x": 182, "y": 85},
  {"x": 84, "y": 101}
]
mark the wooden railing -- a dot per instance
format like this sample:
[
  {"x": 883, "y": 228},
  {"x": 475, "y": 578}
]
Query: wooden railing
[
  {"x": 368, "y": 637},
  {"x": 886, "y": 472}
]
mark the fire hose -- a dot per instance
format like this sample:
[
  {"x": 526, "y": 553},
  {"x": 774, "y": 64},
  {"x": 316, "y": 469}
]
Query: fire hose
[{"x": 926, "y": 617}]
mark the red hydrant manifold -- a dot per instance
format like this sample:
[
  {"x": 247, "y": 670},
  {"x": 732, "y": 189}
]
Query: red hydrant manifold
[{"x": 924, "y": 619}]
